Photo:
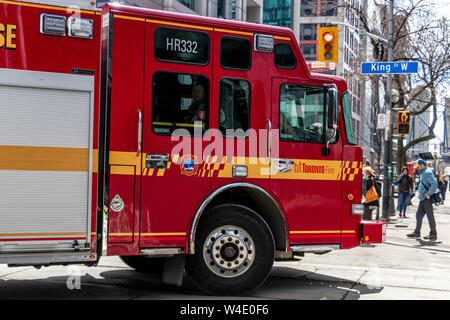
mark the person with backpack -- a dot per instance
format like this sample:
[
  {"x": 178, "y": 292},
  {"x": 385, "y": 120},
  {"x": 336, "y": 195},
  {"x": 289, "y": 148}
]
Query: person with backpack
[
  {"x": 405, "y": 188},
  {"x": 371, "y": 194},
  {"x": 427, "y": 187}
]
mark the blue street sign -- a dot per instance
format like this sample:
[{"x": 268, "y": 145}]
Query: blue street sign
[{"x": 389, "y": 67}]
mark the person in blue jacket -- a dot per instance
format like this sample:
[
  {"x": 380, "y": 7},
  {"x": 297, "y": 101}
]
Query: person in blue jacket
[{"x": 427, "y": 187}]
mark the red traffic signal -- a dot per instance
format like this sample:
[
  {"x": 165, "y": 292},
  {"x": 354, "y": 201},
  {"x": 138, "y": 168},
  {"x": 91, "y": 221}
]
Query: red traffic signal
[
  {"x": 328, "y": 37},
  {"x": 327, "y": 44}
]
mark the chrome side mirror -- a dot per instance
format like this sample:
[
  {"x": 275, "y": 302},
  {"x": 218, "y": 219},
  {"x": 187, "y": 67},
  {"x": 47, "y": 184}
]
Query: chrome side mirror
[
  {"x": 332, "y": 116},
  {"x": 333, "y": 108}
]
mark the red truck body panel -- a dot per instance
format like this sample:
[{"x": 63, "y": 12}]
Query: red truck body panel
[
  {"x": 33, "y": 51},
  {"x": 160, "y": 203}
]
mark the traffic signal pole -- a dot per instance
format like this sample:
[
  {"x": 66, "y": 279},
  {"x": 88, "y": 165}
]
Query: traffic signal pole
[
  {"x": 387, "y": 159},
  {"x": 387, "y": 200}
]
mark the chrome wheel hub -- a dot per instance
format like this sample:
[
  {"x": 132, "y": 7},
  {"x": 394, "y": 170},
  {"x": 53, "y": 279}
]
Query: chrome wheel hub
[{"x": 229, "y": 251}]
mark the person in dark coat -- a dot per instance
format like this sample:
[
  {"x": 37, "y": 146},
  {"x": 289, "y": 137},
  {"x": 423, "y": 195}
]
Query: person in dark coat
[
  {"x": 441, "y": 187},
  {"x": 405, "y": 188},
  {"x": 369, "y": 181}
]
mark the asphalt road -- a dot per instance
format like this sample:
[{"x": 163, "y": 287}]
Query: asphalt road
[
  {"x": 376, "y": 272},
  {"x": 401, "y": 268}
]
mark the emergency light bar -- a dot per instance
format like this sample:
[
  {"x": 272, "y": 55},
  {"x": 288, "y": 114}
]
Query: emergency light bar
[
  {"x": 80, "y": 28},
  {"x": 53, "y": 25},
  {"x": 263, "y": 42}
]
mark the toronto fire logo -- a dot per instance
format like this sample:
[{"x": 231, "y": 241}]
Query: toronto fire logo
[{"x": 189, "y": 165}]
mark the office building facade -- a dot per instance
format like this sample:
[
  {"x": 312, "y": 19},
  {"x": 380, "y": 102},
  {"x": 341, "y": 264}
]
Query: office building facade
[{"x": 242, "y": 10}]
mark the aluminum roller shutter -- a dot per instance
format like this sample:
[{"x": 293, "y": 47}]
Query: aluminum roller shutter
[{"x": 45, "y": 160}]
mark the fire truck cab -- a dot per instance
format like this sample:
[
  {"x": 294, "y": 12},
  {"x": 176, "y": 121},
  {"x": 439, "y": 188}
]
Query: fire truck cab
[{"x": 176, "y": 142}]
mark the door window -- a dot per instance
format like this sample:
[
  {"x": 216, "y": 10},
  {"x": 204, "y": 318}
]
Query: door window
[
  {"x": 284, "y": 56},
  {"x": 347, "y": 113},
  {"x": 234, "y": 106},
  {"x": 180, "y": 100},
  {"x": 302, "y": 113}
]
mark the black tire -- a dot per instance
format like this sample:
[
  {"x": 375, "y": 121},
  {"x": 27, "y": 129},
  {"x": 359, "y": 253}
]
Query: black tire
[
  {"x": 249, "y": 263},
  {"x": 144, "y": 264}
]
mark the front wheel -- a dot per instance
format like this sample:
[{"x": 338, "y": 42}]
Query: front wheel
[{"x": 234, "y": 251}]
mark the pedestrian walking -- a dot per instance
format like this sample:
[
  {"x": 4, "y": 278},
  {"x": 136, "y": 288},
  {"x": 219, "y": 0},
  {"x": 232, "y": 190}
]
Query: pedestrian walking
[
  {"x": 427, "y": 187},
  {"x": 371, "y": 195},
  {"x": 405, "y": 190},
  {"x": 443, "y": 188}
]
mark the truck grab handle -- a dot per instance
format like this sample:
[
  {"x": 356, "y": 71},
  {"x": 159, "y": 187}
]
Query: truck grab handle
[{"x": 139, "y": 139}]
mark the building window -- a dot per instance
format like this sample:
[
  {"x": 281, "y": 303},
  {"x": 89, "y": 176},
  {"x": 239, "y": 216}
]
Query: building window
[
  {"x": 188, "y": 3},
  {"x": 225, "y": 9},
  {"x": 277, "y": 13},
  {"x": 308, "y": 31},
  {"x": 234, "y": 105},
  {"x": 309, "y": 51},
  {"x": 235, "y": 53},
  {"x": 308, "y": 8},
  {"x": 328, "y": 7},
  {"x": 357, "y": 131}
]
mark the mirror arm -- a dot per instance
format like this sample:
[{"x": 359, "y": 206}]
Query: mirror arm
[{"x": 326, "y": 150}]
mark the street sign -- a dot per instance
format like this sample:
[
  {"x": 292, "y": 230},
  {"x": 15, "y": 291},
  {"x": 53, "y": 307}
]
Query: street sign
[
  {"x": 381, "y": 121},
  {"x": 389, "y": 67}
]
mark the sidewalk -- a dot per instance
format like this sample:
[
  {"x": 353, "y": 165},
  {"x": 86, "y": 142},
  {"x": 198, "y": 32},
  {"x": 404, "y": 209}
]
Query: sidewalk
[{"x": 398, "y": 228}]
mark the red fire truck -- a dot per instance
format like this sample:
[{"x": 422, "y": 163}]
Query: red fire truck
[{"x": 113, "y": 126}]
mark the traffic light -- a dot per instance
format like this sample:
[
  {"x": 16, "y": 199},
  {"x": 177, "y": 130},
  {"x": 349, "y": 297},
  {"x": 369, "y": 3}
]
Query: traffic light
[
  {"x": 327, "y": 44},
  {"x": 403, "y": 120}
]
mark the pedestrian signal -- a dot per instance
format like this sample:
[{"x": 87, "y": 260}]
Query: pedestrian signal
[
  {"x": 327, "y": 47},
  {"x": 403, "y": 122}
]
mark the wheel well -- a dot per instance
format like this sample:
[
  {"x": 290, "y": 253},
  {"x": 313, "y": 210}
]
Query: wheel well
[{"x": 254, "y": 198}]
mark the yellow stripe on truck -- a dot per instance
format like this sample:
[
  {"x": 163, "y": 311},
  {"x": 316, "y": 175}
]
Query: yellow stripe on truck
[
  {"x": 43, "y": 158},
  {"x": 127, "y": 163},
  {"x": 41, "y": 6}
]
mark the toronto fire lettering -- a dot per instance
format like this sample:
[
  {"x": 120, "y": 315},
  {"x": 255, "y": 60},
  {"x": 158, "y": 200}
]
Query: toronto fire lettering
[{"x": 308, "y": 168}]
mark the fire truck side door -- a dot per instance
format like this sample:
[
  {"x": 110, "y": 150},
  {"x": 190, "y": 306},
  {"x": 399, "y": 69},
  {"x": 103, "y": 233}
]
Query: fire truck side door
[
  {"x": 126, "y": 106},
  {"x": 177, "y": 100},
  {"x": 305, "y": 181}
]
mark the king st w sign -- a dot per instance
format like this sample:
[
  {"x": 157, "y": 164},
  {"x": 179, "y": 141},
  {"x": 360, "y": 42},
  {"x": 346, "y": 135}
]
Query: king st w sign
[{"x": 389, "y": 67}]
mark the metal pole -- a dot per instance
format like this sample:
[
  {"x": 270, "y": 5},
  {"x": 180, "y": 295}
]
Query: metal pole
[{"x": 388, "y": 137}]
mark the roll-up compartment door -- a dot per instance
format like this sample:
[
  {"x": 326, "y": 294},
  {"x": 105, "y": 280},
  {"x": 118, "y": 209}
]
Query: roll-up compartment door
[{"x": 45, "y": 160}]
